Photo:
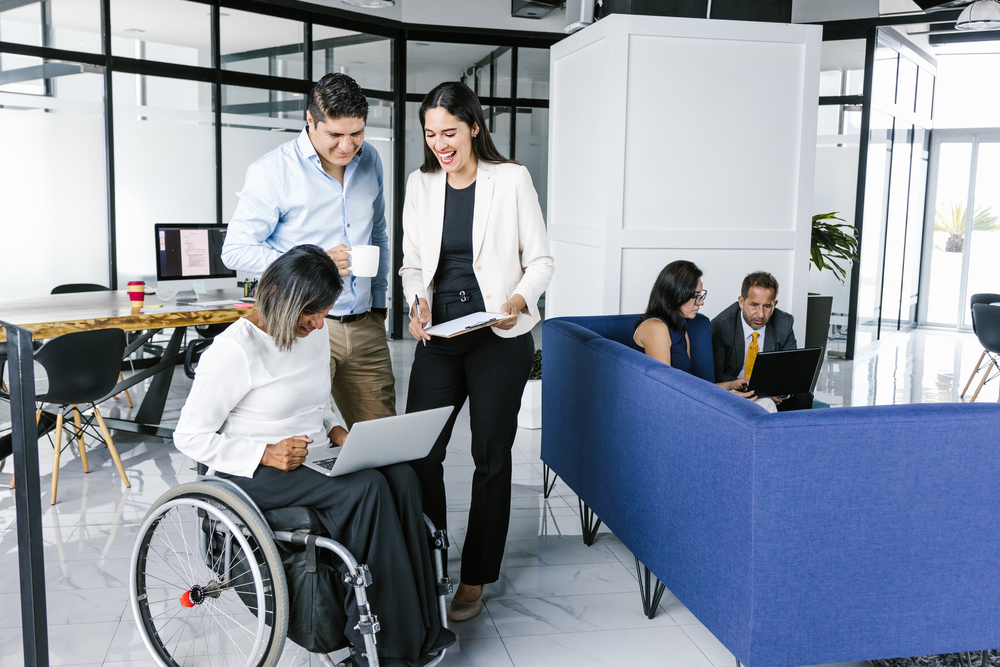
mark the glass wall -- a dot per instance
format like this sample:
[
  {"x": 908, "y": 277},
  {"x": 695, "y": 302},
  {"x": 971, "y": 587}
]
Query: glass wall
[
  {"x": 73, "y": 25},
  {"x": 251, "y": 128},
  {"x": 365, "y": 58},
  {"x": 259, "y": 44},
  {"x": 967, "y": 169},
  {"x": 838, "y": 151},
  {"x": 178, "y": 130},
  {"x": 895, "y": 187},
  {"x": 532, "y": 149},
  {"x": 164, "y": 163},
  {"x": 53, "y": 177},
  {"x": 148, "y": 31}
]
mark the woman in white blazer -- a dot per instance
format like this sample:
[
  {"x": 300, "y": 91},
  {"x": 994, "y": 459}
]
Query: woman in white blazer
[{"x": 473, "y": 240}]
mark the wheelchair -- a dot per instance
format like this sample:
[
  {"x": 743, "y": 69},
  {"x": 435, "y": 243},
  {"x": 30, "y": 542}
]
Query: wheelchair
[{"x": 207, "y": 586}]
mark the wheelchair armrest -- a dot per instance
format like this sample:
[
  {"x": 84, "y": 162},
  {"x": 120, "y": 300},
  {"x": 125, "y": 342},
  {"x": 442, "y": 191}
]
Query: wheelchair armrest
[{"x": 194, "y": 350}]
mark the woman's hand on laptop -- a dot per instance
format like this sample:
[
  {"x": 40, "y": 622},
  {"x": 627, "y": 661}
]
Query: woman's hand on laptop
[
  {"x": 338, "y": 435},
  {"x": 288, "y": 454}
]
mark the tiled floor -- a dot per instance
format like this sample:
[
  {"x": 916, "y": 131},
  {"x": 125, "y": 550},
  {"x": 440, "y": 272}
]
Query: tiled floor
[{"x": 557, "y": 602}]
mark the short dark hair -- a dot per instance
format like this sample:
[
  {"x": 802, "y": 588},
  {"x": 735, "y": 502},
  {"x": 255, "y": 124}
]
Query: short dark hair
[
  {"x": 458, "y": 99},
  {"x": 758, "y": 279},
  {"x": 303, "y": 281},
  {"x": 675, "y": 286},
  {"x": 337, "y": 96}
]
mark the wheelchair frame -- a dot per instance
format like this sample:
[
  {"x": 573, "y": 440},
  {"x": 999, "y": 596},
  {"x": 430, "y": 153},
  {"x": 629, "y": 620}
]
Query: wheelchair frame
[{"x": 358, "y": 577}]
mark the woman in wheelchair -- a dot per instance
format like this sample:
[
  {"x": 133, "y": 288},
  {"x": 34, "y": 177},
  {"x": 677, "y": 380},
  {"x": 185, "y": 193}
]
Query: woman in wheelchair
[{"x": 260, "y": 397}]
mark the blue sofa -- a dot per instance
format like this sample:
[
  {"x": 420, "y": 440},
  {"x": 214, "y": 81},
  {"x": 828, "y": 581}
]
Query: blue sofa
[{"x": 798, "y": 538}]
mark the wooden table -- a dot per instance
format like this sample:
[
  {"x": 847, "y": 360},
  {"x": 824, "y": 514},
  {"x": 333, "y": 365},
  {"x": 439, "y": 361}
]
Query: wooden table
[{"x": 57, "y": 314}]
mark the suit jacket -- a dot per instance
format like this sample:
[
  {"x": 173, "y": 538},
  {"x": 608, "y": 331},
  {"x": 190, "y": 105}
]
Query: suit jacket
[
  {"x": 510, "y": 249},
  {"x": 729, "y": 343}
]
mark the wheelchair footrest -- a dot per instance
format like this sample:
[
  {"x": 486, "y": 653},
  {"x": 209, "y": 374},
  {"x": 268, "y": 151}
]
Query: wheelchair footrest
[{"x": 444, "y": 586}]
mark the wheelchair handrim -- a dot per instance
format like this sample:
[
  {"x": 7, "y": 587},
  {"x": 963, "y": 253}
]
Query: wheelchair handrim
[{"x": 243, "y": 543}]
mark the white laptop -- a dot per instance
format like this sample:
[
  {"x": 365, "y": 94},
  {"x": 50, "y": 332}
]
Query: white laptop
[{"x": 381, "y": 442}]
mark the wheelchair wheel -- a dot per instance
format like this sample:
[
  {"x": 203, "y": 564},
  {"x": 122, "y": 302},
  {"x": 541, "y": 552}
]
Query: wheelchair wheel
[{"x": 206, "y": 584}]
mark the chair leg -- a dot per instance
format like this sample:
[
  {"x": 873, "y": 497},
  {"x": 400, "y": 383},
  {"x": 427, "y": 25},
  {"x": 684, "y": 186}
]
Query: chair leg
[
  {"x": 974, "y": 371},
  {"x": 111, "y": 446},
  {"x": 128, "y": 398},
  {"x": 79, "y": 438},
  {"x": 55, "y": 456},
  {"x": 986, "y": 375},
  {"x": 548, "y": 475}
]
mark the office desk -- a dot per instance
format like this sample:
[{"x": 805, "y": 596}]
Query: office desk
[{"x": 57, "y": 314}]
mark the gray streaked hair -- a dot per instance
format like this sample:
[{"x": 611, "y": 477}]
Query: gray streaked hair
[{"x": 303, "y": 281}]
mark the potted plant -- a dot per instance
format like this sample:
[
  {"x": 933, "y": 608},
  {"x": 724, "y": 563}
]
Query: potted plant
[
  {"x": 953, "y": 222},
  {"x": 832, "y": 243},
  {"x": 530, "y": 414}
]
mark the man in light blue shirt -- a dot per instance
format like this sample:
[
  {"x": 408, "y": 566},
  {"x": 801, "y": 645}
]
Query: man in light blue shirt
[{"x": 325, "y": 188}]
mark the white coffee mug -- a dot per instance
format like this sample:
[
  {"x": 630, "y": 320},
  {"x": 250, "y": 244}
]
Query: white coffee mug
[{"x": 364, "y": 261}]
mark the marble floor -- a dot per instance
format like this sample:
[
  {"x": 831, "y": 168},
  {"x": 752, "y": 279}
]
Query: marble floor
[{"x": 558, "y": 602}]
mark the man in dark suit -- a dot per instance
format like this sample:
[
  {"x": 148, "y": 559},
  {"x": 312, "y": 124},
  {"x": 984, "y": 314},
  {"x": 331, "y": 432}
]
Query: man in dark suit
[{"x": 754, "y": 324}]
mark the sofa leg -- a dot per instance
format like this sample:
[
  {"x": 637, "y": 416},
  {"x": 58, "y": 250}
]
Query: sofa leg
[
  {"x": 649, "y": 592},
  {"x": 589, "y": 522},
  {"x": 546, "y": 485}
]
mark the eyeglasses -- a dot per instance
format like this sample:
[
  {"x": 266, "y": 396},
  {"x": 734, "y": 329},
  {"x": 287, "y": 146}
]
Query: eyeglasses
[{"x": 699, "y": 297}]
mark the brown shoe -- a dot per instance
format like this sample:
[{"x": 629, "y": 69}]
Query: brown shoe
[{"x": 463, "y": 611}]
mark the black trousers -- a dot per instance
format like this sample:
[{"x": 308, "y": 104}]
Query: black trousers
[
  {"x": 377, "y": 515},
  {"x": 491, "y": 372}
]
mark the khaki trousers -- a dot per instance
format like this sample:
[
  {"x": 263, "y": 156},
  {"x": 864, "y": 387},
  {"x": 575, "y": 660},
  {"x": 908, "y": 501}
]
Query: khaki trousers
[{"x": 361, "y": 379}]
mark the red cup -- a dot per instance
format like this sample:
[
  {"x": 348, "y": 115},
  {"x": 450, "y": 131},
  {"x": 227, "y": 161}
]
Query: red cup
[{"x": 136, "y": 293}]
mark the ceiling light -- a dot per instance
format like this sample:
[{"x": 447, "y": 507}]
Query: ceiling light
[
  {"x": 980, "y": 15},
  {"x": 134, "y": 30},
  {"x": 370, "y": 4}
]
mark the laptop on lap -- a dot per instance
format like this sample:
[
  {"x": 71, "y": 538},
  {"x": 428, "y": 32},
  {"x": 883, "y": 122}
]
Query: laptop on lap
[
  {"x": 784, "y": 372},
  {"x": 381, "y": 442}
]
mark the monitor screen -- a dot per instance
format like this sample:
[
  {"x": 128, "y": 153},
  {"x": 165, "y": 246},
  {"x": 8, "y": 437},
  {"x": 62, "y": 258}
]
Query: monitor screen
[{"x": 190, "y": 252}]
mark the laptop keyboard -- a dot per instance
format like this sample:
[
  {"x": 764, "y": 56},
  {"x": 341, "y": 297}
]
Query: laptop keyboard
[{"x": 326, "y": 463}]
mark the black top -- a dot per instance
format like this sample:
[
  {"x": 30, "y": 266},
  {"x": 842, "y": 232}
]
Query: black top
[{"x": 455, "y": 273}]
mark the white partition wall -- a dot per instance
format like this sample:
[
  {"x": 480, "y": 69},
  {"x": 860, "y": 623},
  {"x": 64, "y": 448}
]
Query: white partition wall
[{"x": 680, "y": 139}]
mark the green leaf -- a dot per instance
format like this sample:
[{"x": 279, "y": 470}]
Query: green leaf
[{"x": 832, "y": 241}]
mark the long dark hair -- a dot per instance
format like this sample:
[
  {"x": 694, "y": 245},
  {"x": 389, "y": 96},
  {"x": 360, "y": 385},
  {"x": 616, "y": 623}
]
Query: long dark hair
[
  {"x": 458, "y": 99},
  {"x": 674, "y": 287}
]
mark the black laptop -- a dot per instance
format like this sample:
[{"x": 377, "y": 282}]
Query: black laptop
[{"x": 784, "y": 372}]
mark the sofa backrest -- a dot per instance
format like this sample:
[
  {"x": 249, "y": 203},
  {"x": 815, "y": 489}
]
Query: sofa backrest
[
  {"x": 620, "y": 328},
  {"x": 798, "y": 538}
]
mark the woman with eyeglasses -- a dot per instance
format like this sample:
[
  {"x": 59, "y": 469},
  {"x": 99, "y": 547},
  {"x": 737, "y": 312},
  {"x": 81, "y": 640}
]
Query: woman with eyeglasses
[{"x": 661, "y": 331}]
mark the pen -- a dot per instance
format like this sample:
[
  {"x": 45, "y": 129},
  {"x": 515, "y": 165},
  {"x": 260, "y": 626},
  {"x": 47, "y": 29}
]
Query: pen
[{"x": 416, "y": 302}]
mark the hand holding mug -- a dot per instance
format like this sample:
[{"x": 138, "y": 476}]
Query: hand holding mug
[{"x": 341, "y": 258}]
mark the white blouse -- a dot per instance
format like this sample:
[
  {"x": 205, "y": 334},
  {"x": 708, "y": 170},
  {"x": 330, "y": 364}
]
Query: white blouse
[{"x": 247, "y": 394}]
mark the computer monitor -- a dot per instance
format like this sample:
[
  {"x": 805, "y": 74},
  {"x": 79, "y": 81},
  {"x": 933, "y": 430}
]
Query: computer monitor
[{"x": 189, "y": 260}]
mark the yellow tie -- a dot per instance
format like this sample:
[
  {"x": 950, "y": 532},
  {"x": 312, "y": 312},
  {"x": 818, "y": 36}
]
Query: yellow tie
[{"x": 752, "y": 354}]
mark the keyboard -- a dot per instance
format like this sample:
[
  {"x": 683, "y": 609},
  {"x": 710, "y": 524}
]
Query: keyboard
[{"x": 326, "y": 463}]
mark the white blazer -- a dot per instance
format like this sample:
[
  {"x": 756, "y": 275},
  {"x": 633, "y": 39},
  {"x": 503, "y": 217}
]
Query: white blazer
[{"x": 509, "y": 247}]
